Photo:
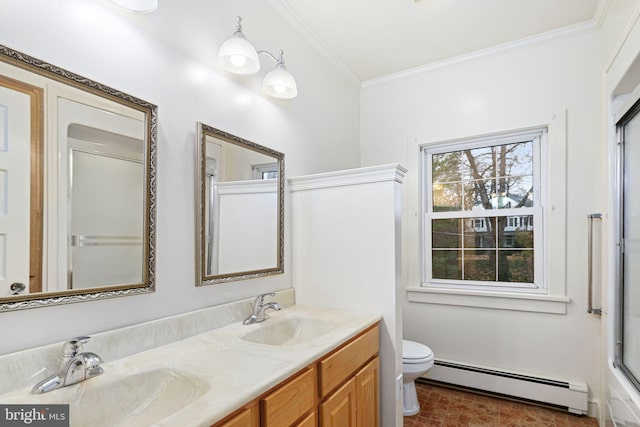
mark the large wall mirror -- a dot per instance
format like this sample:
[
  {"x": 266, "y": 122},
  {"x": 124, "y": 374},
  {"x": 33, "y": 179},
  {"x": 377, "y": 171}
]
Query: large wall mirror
[
  {"x": 239, "y": 208},
  {"x": 77, "y": 187}
]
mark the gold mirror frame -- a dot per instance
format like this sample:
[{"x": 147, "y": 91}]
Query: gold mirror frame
[
  {"x": 202, "y": 132},
  {"x": 61, "y": 75}
]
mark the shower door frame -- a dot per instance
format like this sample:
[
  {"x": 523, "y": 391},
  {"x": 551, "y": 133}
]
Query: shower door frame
[{"x": 626, "y": 117}]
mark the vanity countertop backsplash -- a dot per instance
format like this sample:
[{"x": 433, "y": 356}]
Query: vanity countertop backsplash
[{"x": 189, "y": 370}]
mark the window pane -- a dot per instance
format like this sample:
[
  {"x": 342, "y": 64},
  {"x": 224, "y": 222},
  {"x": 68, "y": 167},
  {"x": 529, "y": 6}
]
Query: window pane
[
  {"x": 446, "y": 264},
  {"x": 499, "y": 176},
  {"x": 515, "y": 266},
  {"x": 269, "y": 175},
  {"x": 515, "y": 232},
  {"x": 480, "y": 265},
  {"x": 478, "y": 194},
  {"x": 520, "y": 158},
  {"x": 446, "y": 167},
  {"x": 479, "y": 163},
  {"x": 521, "y": 191},
  {"x": 480, "y": 233},
  {"x": 445, "y": 233},
  {"x": 447, "y": 197}
]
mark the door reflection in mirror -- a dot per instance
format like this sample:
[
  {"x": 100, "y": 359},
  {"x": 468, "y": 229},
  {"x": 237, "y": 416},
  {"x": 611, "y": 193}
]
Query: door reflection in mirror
[{"x": 15, "y": 198}]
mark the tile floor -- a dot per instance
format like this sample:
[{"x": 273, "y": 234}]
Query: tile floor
[{"x": 444, "y": 407}]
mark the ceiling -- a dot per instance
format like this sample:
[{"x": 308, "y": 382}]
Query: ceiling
[{"x": 374, "y": 38}]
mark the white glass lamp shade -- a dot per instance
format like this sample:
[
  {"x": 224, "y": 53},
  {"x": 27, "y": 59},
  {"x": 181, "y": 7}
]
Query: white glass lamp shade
[
  {"x": 238, "y": 56},
  {"x": 142, "y": 6},
  {"x": 279, "y": 83}
]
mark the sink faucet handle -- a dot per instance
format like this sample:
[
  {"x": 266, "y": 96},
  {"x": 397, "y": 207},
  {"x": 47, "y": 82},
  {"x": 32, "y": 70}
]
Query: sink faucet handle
[
  {"x": 74, "y": 346},
  {"x": 260, "y": 298}
]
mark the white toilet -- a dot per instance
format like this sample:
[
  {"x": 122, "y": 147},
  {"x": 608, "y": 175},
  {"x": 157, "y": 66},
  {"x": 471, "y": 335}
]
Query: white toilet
[{"x": 417, "y": 359}]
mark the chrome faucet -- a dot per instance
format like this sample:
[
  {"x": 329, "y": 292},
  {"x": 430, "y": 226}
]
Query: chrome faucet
[
  {"x": 74, "y": 368},
  {"x": 258, "y": 314}
]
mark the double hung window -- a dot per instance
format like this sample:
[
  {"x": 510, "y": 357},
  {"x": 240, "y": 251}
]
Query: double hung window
[{"x": 482, "y": 212}]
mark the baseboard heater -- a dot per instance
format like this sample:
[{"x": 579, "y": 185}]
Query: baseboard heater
[{"x": 572, "y": 395}]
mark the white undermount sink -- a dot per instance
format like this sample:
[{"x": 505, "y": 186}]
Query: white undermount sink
[
  {"x": 291, "y": 331},
  {"x": 140, "y": 399}
]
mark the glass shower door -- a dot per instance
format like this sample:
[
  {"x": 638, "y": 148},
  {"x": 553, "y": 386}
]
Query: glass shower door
[{"x": 628, "y": 322}]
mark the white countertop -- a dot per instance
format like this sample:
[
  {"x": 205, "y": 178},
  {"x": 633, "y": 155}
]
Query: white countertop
[{"x": 228, "y": 371}]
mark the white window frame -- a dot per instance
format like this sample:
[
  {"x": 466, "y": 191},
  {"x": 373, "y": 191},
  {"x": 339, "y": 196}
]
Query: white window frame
[{"x": 540, "y": 152}]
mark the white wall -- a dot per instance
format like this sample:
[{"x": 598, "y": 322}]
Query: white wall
[
  {"x": 507, "y": 90},
  {"x": 168, "y": 58}
]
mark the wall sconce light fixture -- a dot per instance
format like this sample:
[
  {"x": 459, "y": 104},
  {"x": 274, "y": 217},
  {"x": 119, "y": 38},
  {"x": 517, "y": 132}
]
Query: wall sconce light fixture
[
  {"x": 142, "y": 6},
  {"x": 238, "y": 56}
]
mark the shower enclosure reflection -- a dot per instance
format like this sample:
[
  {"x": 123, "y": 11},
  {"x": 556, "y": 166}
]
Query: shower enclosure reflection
[{"x": 105, "y": 194}]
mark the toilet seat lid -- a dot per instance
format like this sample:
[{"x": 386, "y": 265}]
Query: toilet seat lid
[{"x": 413, "y": 351}]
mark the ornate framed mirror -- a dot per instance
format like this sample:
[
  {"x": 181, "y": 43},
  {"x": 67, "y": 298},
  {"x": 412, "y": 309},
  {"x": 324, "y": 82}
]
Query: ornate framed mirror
[
  {"x": 77, "y": 187},
  {"x": 239, "y": 208}
]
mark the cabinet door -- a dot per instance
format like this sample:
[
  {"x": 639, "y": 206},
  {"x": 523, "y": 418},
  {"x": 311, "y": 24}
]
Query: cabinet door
[
  {"x": 368, "y": 394},
  {"x": 339, "y": 410},
  {"x": 309, "y": 421},
  {"x": 250, "y": 417}
]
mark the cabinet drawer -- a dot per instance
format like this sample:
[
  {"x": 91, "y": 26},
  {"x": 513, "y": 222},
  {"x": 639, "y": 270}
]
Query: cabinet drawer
[
  {"x": 290, "y": 401},
  {"x": 342, "y": 364}
]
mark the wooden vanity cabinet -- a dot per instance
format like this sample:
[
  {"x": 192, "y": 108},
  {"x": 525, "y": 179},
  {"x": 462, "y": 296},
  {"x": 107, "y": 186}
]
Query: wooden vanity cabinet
[{"x": 342, "y": 389}]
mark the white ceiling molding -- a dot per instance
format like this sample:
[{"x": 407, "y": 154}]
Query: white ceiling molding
[
  {"x": 601, "y": 12},
  {"x": 294, "y": 18},
  {"x": 635, "y": 16},
  {"x": 560, "y": 33}
]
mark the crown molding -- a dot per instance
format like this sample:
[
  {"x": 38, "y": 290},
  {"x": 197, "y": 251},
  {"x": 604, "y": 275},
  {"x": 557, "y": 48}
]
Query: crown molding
[
  {"x": 601, "y": 12},
  {"x": 626, "y": 32},
  {"x": 293, "y": 17},
  {"x": 284, "y": 8},
  {"x": 569, "y": 31}
]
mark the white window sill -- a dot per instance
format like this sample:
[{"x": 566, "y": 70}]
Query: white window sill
[{"x": 490, "y": 299}]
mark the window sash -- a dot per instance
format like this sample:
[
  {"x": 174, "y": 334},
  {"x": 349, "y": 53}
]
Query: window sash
[
  {"x": 536, "y": 285},
  {"x": 538, "y": 138}
]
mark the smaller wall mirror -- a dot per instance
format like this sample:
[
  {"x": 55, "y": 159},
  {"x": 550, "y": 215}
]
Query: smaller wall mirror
[{"x": 239, "y": 208}]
